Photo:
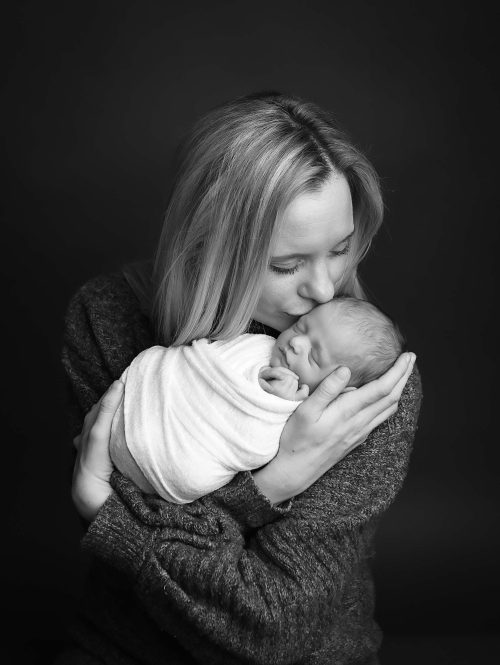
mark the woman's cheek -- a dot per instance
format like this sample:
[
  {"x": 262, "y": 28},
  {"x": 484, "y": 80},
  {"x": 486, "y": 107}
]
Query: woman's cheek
[
  {"x": 274, "y": 300},
  {"x": 339, "y": 272},
  {"x": 284, "y": 291}
]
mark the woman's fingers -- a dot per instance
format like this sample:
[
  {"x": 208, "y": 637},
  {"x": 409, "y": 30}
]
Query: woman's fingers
[
  {"x": 378, "y": 420},
  {"x": 93, "y": 443},
  {"x": 387, "y": 383},
  {"x": 327, "y": 391},
  {"x": 93, "y": 466},
  {"x": 375, "y": 422},
  {"x": 104, "y": 411},
  {"x": 374, "y": 414},
  {"x": 399, "y": 387},
  {"x": 389, "y": 386}
]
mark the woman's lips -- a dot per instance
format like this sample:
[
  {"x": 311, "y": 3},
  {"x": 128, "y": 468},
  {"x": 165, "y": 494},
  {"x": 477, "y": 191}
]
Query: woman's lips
[{"x": 297, "y": 316}]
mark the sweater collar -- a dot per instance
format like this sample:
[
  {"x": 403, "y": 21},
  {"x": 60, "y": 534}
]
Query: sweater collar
[{"x": 258, "y": 328}]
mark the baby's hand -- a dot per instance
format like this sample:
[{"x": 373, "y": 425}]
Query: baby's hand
[{"x": 282, "y": 382}]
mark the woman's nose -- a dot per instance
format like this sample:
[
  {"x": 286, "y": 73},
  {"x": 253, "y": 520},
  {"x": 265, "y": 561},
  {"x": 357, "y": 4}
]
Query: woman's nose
[{"x": 320, "y": 286}]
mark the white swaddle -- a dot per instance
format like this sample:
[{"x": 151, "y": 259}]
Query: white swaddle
[{"x": 191, "y": 417}]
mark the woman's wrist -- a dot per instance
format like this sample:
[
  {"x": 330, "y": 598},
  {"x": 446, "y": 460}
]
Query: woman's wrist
[
  {"x": 266, "y": 484},
  {"x": 290, "y": 473},
  {"x": 278, "y": 481}
]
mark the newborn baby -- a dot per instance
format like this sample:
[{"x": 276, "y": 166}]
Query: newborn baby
[
  {"x": 343, "y": 332},
  {"x": 191, "y": 417}
]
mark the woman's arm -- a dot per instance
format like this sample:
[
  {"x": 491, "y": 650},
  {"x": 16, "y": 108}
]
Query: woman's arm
[
  {"x": 227, "y": 591},
  {"x": 329, "y": 425},
  {"x": 104, "y": 331},
  {"x": 219, "y": 574}
]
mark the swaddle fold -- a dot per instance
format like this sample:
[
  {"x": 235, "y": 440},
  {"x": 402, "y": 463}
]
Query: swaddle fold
[{"x": 193, "y": 416}]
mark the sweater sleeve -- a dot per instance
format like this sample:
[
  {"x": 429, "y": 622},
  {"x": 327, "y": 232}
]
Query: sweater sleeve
[
  {"x": 235, "y": 579},
  {"x": 104, "y": 330}
]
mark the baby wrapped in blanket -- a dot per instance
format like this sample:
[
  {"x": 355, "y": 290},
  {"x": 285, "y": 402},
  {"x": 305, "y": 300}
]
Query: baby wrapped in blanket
[{"x": 191, "y": 417}]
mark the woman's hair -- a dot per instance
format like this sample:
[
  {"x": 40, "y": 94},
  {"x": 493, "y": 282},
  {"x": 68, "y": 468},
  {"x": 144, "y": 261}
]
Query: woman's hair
[{"x": 240, "y": 167}]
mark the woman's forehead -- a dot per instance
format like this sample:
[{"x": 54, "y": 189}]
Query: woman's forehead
[{"x": 317, "y": 220}]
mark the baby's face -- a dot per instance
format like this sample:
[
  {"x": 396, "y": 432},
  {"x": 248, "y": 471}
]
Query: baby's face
[{"x": 314, "y": 346}]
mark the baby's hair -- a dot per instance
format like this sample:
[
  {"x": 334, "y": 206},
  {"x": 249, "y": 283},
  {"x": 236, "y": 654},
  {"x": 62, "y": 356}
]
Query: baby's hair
[{"x": 382, "y": 339}]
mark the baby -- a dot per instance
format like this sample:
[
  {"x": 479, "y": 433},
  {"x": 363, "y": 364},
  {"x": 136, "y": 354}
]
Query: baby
[
  {"x": 191, "y": 417},
  {"x": 342, "y": 332}
]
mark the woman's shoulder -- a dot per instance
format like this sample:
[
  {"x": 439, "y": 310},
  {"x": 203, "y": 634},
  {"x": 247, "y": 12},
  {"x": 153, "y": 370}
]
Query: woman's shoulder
[
  {"x": 110, "y": 292},
  {"x": 115, "y": 293},
  {"x": 105, "y": 320},
  {"x": 406, "y": 418}
]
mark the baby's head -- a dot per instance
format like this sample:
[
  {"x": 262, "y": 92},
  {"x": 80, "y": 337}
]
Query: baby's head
[{"x": 342, "y": 332}]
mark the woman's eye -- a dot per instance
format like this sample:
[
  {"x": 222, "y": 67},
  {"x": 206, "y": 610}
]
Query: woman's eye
[
  {"x": 280, "y": 270},
  {"x": 284, "y": 271},
  {"x": 341, "y": 252}
]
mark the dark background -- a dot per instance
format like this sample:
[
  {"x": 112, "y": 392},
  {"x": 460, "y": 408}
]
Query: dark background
[{"x": 95, "y": 99}]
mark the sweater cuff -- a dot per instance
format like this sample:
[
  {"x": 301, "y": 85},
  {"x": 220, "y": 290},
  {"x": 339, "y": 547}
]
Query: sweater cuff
[
  {"x": 243, "y": 500},
  {"x": 118, "y": 538}
]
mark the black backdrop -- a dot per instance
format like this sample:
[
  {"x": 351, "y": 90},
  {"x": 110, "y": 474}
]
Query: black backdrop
[{"x": 95, "y": 98}]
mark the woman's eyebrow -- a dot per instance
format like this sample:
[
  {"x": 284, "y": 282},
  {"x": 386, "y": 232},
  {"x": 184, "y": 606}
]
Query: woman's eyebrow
[{"x": 297, "y": 255}]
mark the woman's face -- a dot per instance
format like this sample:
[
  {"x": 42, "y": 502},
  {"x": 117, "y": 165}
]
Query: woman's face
[{"x": 309, "y": 255}]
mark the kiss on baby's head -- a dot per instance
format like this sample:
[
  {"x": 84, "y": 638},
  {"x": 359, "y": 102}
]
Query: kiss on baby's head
[{"x": 346, "y": 332}]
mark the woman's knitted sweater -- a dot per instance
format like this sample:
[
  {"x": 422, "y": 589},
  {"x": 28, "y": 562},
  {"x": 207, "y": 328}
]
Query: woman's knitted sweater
[{"x": 229, "y": 578}]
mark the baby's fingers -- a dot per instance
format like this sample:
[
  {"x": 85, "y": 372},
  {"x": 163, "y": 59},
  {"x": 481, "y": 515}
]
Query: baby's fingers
[
  {"x": 277, "y": 373},
  {"x": 302, "y": 392},
  {"x": 268, "y": 373}
]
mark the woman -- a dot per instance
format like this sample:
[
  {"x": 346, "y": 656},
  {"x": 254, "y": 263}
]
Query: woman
[{"x": 271, "y": 213}]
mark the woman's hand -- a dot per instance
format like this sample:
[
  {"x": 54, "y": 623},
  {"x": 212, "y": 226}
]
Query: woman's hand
[
  {"x": 329, "y": 425},
  {"x": 93, "y": 465}
]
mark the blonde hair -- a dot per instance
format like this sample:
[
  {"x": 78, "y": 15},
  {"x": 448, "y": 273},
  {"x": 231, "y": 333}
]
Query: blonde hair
[{"x": 240, "y": 167}]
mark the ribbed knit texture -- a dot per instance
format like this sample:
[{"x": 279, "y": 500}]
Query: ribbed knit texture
[{"x": 227, "y": 579}]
